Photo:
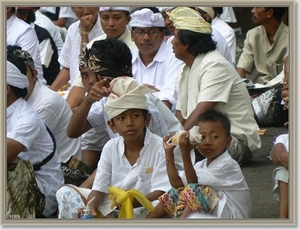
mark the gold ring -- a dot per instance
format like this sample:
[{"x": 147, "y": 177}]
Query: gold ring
[
  {"x": 284, "y": 82},
  {"x": 98, "y": 95},
  {"x": 286, "y": 99}
]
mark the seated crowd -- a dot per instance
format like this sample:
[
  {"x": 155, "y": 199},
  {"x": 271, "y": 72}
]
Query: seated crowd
[{"x": 141, "y": 112}]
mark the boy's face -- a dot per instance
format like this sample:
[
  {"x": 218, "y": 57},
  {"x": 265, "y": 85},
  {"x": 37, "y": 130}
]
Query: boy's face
[
  {"x": 114, "y": 22},
  {"x": 214, "y": 139},
  {"x": 130, "y": 124}
]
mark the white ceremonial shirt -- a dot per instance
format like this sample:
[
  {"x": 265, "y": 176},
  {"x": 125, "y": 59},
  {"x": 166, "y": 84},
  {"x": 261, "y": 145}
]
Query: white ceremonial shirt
[
  {"x": 45, "y": 22},
  {"x": 225, "y": 177},
  {"x": 228, "y": 33},
  {"x": 222, "y": 45},
  {"x": 22, "y": 34},
  {"x": 56, "y": 113},
  {"x": 26, "y": 127},
  {"x": 163, "y": 72},
  {"x": 69, "y": 56},
  {"x": 146, "y": 175},
  {"x": 212, "y": 78}
]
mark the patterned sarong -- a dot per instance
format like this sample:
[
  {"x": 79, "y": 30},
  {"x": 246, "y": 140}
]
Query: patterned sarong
[
  {"x": 200, "y": 198},
  {"x": 23, "y": 196},
  {"x": 75, "y": 171}
]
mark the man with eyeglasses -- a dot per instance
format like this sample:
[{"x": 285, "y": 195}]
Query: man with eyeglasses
[{"x": 154, "y": 63}]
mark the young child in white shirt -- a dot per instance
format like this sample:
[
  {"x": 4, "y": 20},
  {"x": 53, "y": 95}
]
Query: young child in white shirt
[
  {"x": 134, "y": 160},
  {"x": 213, "y": 186}
]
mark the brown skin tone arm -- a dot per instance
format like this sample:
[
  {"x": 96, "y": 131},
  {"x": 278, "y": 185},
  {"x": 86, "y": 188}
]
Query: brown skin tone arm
[
  {"x": 168, "y": 104},
  {"x": 88, "y": 183},
  {"x": 75, "y": 96},
  {"x": 62, "y": 78},
  {"x": 280, "y": 155},
  {"x": 241, "y": 72},
  {"x": 13, "y": 149},
  {"x": 60, "y": 22},
  {"x": 172, "y": 172},
  {"x": 200, "y": 109},
  {"x": 185, "y": 148},
  {"x": 151, "y": 197},
  {"x": 180, "y": 117},
  {"x": 97, "y": 201}
]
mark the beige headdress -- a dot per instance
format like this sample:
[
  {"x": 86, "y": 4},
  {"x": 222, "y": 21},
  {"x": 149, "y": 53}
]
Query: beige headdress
[
  {"x": 126, "y": 93},
  {"x": 185, "y": 18}
]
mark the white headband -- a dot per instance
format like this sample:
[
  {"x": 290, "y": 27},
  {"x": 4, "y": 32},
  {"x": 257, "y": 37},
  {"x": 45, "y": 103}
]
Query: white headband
[
  {"x": 14, "y": 76},
  {"x": 165, "y": 8},
  {"x": 146, "y": 18},
  {"x": 114, "y": 8},
  {"x": 209, "y": 10}
]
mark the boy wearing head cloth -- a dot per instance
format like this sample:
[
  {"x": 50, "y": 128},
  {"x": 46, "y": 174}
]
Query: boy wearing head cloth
[
  {"x": 33, "y": 166},
  {"x": 209, "y": 81},
  {"x": 135, "y": 159}
]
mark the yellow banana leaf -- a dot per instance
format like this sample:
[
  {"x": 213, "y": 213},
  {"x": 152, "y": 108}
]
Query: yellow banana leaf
[{"x": 125, "y": 198}]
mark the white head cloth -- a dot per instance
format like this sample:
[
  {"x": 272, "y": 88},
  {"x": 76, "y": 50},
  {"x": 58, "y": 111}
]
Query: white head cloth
[
  {"x": 185, "y": 18},
  {"x": 165, "y": 8},
  {"x": 208, "y": 10},
  {"x": 114, "y": 8},
  {"x": 14, "y": 76},
  {"x": 126, "y": 93},
  {"x": 146, "y": 18}
]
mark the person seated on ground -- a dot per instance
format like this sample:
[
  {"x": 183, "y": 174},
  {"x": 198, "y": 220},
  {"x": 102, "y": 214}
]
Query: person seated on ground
[
  {"x": 62, "y": 18},
  {"x": 56, "y": 114},
  {"x": 21, "y": 34},
  {"x": 209, "y": 81},
  {"x": 47, "y": 46},
  {"x": 280, "y": 156},
  {"x": 33, "y": 166},
  {"x": 168, "y": 24},
  {"x": 134, "y": 160},
  {"x": 214, "y": 186},
  {"x": 153, "y": 63},
  {"x": 222, "y": 46},
  {"x": 114, "y": 21},
  {"x": 225, "y": 30},
  {"x": 118, "y": 63},
  {"x": 265, "y": 48},
  {"x": 80, "y": 32}
]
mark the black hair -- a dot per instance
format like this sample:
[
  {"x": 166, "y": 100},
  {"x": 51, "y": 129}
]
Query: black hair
[
  {"x": 159, "y": 28},
  {"x": 198, "y": 43},
  {"x": 114, "y": 56},
  {"x": 30, "y": 17},
  {"x": 278, "y": 12},
  {"x": 144, "y": 113},
  {"x": 202, "y": 12},
  {"x": 215, "y": 115},
  {"x": 218, "y": 11},
  {"x": 19, "y": 92},
  {"x": 16, "y": 60}
]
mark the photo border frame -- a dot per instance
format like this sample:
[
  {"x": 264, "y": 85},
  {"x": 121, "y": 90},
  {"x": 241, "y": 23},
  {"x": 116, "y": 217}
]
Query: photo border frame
[{"x": 165, "y": 222}]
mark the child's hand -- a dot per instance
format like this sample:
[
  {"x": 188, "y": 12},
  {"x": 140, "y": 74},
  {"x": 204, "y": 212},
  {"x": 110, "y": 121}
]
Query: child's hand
[
  {"x": 168, "y": 148},
  {"x": 98, "y": 91},
  {"x": 184, "y": 143},
  {"x": 79, "y": 213}
]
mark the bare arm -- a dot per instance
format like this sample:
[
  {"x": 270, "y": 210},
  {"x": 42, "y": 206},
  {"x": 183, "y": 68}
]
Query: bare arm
[
  {"x": 280, "y": 155},
  {"x": 60, "y": 22},
  {"x": 185, "y": 148},
  {"x": 75, "y": 96},
  {"x": 241, "y": 72},
  {"x": 88, "y": 183},
  {"x": 172, "y": 172},
  {"x": 180, "y": 117},
  {"x": 168, "y": 104},
  {"x": 13, "y": 149},
  {"x": 200, "y": 109},
  {"x": 62, "y": 78}
]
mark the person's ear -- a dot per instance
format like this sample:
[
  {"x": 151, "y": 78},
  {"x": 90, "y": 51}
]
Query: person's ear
[
  {"x": 206, "y": 17},
  {"x": 148, "y": 120},
  {"x": 228, "y": 141},
  {"x": 112, "y": 126},
  {"x": 128, "y": 18}
]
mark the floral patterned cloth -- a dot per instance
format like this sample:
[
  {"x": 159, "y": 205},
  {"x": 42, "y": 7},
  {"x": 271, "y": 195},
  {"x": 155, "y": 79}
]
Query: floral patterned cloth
[{"x": 200, "y": 198}]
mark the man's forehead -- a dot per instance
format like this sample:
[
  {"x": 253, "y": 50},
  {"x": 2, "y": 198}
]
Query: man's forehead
[{"x": 113, "y": 12}]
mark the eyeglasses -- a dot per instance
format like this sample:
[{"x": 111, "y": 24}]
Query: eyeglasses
[{"x": 151, "y": 32}]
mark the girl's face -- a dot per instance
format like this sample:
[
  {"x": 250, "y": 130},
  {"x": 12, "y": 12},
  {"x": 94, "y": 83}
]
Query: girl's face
[{"x": 214, "y": 139}]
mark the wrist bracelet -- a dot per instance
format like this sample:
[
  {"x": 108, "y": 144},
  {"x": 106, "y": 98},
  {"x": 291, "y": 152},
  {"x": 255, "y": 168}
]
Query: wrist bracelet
[{"x": 83, "y": 32}]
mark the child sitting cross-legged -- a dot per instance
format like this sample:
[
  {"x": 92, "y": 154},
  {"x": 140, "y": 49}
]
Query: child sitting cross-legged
[
  {"x": 133, "y": 160},
  {"x": 214, "y": 186}
]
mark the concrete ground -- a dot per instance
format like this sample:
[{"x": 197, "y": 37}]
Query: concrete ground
[{"x": 258, "y": 172}]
